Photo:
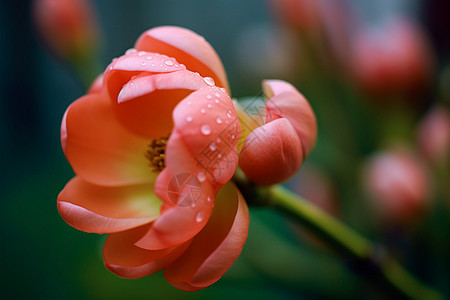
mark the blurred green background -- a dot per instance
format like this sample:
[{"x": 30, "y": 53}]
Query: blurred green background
[{"x": 44, "y": 258}]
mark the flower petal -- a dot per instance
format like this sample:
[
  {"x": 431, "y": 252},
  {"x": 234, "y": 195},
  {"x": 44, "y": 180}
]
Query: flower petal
[
  {"x": 126, "y": 260},
  {"x": 124, "y": 68},
  {"x": 271, "y": 153},
  {"x": 180, "y": 222},
  {"x": 286, "y": 102},
  {"x": 100, "y": 209},
  {"x": 145, "y": 104},
  {"x": 201, "y": 154},
  {"x": 187, "y": 47},
  {"x": 208, "y": 124},
  {"x": 99, "y": 149},
  {"x": 216, "y": 247},
  {"x": 97, "y": 85}
]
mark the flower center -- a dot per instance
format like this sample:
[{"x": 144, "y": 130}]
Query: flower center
[{"x": 155, "y": 154}]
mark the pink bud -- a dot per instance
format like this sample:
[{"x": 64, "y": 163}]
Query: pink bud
[
  {"x": 392, "y": 59},
  {"x": 68, "y": 27},
  {"x": 397, "y": 185},
  {"x": 434, "y": 135}
]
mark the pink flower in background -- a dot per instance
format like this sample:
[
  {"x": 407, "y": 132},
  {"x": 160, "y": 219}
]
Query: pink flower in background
[
  {"x": 434, "y": 136},
  {"x": 394, "y": 59},
  {"x": 153, "y": 149},
  {"x": 68, "y": 27},
  {"x": 397, "y": 185},
  {"x": 276, "y": 145}
]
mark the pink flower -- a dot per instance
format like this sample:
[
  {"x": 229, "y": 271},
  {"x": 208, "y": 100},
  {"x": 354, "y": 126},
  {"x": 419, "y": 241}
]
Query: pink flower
[
  {"x": 397, "y": 185},
  {"x": 153, "y": 162},
  {"x": 434, "y": 135},
  {"x": 394, "y": 59},
  {"x": 68, "y": 27},
  {"x": 275, "y": 147}
]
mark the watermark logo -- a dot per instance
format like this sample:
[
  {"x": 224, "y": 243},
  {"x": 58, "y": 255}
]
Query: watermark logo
[{"x": 184, "y": 190}]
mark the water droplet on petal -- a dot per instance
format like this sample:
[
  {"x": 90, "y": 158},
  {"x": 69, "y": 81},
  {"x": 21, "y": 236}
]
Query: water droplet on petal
[
  {"x": 169, "y": 63},
  {"x": 209, "y": 96},
  {"x": 189, "y": 119},
  {"x": 217, "y": 95},
  {"x": 208, "y": 199},
  {"x": 216, "y": 100},
  {"x": 229, "y": 113},
  {"x": 199, "y": 216},
  {"x": 153, "y": 65},
  {"x": 219, "y": 155},
  {"x": 212, "y": 146},
  {"x": 209, "y": 81},
  {"x": 149, "y": 57},
  {"x": 202, "y": 110},
  {"x": 143, "y": 63},
  {"x": 201, "y": 176},
  {"x": 205, "y": 129},
  {"x": 141, "y": 53},
  {"x": 219, "y": 120},
  {"x": 209, "y": 105}
]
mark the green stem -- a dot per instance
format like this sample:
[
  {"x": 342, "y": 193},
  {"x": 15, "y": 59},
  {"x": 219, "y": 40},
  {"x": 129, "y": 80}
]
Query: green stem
[
  {"x": 370, "y": 261},
  {"x": 383, "y": 268}
]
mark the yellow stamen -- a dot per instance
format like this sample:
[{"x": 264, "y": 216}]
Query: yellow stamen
[{"x": 155, "y": 154}]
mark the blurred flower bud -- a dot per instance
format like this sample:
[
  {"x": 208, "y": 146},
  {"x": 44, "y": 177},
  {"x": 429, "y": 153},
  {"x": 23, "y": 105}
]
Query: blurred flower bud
[
  {"x": 397, "y": 185},
  {"x": 302, "y": 15},
  {"x": 434, "y": 135},
  {"x": 68, "y": 27},
  {"x": 392, "y": 60}
]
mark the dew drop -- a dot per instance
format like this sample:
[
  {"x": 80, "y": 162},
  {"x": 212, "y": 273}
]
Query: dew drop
[
  {"x": 208, "y": 199},
  {"x": 209, "y": 105},
  {"x": 141, "y": 53},
  {"x": 216, "y": 100},
  {"x": 202, "y": 110},
  {"x": 229, "y": 113},
  {"x": 212, "y": 146},
  {"x": 201, "y": 176},
  {"x": 199, "y": 216},
  {"x": 219, "y": 155},
  {"x": 189, "y": 119},
  {"x": 205, "y": 129},
  {"x": 209, "y": 81},
  {"x": 176, "y": 66},
  {"x": 208, "y": 96},
  {"x": 143, "y": 63},
  {"x": 153, "y": 65},
  {"x": 217, "y": 95},
  {"x": 149, "y": 57},
  {"x": 219, "y": 120},
  {"x": 169, "y": 63}
]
